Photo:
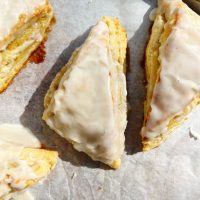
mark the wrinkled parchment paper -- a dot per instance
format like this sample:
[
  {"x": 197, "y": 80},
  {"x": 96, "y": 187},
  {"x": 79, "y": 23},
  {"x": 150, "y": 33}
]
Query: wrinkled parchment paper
[{"x": 171, "y": 172}]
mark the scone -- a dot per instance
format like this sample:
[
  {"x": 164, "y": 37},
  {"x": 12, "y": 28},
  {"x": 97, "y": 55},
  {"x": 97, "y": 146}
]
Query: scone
[
  {"x": 22, "y": 167},
  {"x": 172, "y": 71},
  {"x": 86, "y": 102},
  {"x": 23, "y": 26}
]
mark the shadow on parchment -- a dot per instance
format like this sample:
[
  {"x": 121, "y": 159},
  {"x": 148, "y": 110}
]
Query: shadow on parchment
[
  {"x": 152, "y": 3},
  {"x": 33, "y": 120},
  {"x": 136, "y": 84}
]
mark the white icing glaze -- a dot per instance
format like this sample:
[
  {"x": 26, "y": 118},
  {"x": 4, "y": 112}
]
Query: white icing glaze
[
  {"x": 82, "y": 108},
  {"x": 179, "y": 58},
  {"x": 11, "y": 10},
  {"x": 13, "y": 138},
  {"x": 18, "y": 134}
]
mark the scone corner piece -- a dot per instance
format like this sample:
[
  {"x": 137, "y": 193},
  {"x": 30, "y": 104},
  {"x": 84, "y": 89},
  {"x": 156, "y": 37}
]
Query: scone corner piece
[
  {"x": 25, "y": 168},
  {"x": 21, "y": 34}
]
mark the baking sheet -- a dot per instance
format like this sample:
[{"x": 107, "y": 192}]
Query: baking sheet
[{"x": 171, "y": 172}]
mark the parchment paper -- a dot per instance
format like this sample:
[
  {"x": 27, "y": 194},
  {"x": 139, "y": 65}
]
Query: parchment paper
[{"x": 171, "y": 172}]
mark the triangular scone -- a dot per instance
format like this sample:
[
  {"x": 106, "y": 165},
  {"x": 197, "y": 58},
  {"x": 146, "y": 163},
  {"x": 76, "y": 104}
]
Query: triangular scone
[
  {"x": 22, "y": 167},
  {"x": 86, "y": 103},
  {"x": 23, "y": 26},
  {"x": 172, "y": 71}
]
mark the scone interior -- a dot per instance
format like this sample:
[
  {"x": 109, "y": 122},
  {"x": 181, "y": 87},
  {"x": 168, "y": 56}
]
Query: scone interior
[
  {"x": 172, "y": 71},
  {"x": 19, "y": 40},
  {"x": 86, "y": 102},
  {"x": 22, "y": 167}
]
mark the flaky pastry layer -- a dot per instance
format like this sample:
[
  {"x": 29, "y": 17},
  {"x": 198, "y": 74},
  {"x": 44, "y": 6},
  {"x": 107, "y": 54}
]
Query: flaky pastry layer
[{"x": 24, "y": 38}]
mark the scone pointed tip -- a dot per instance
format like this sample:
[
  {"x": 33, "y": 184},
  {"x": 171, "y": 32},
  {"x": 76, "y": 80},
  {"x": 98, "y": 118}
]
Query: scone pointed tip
[{"x": 116, "y": 164}]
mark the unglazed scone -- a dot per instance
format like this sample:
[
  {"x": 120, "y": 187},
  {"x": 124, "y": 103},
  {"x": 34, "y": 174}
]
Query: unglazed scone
[
  {"x": 172, "y": 71},
  {"x": 23, "y": 26},
  {"x": 86, "y": 102},
  {"x": 22, "y": 167}
]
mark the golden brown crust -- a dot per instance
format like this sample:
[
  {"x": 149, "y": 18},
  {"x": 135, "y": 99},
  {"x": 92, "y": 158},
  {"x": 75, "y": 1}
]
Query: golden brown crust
[
  {"x": 150, "y": 144},
  {"x": 33, "y": 155}
]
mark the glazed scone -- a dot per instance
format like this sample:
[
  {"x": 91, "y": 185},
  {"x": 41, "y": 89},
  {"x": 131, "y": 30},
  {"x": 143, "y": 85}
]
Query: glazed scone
[
  {"x": 86, "y": 102},
  {"x": 23, "y": 26},
  {"x": 22, "y": 167},
  {"x": 172, "y": 71}
]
